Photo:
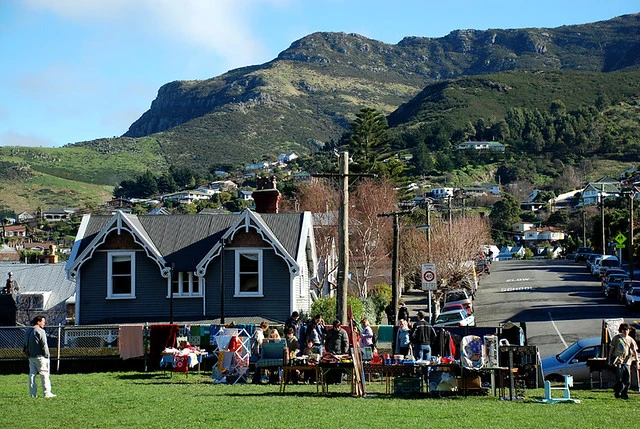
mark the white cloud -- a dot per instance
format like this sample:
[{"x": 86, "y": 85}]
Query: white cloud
[
  {"x": 11, "y": 138},
  {"x": 223, "y": 27}
]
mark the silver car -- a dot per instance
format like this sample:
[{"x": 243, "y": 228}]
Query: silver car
[
  {"x": 632, "y": 297},
  {"x": 572, "y": 361}
]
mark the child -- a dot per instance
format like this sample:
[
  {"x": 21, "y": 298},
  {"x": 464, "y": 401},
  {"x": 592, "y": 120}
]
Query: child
[{"x": 310, "y": 349}]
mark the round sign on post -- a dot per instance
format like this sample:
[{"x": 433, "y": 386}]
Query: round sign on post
[{"x": 429, "y": 277}]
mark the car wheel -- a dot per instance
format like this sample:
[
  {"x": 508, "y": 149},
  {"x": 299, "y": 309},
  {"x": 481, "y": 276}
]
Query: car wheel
[{"x": 554, "y": 378}]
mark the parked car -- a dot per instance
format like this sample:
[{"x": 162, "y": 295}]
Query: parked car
[
  {"x": 624, "y": 288},
  {"x": 611, "y": 285},
  {"x": 612, "y": 271},
  {"x": 583, "y": 253},
  {"x": 572, "y": 361},
  {"x": 455, "y": 318},
  {"x": 607, "y": 262},
  {"x": 451, "y": 307},
  {"x": 571, "y": 257},
  {"x": 459, "y": 296},
  {"x": 595, "y": 266},
  {"x": 591, "y": 259},
  {"x": 632, "y": 297}
]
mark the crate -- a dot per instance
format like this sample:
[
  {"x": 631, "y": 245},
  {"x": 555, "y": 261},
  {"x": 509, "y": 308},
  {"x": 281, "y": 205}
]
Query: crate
[{"x": 406, "y": 386}]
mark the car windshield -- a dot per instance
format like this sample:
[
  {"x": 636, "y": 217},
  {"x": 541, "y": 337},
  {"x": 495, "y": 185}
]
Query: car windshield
[
  {"x": 456, "y": 296},
  {"x": 635, "y": 291},
  {"x": 452, "y": 317},
  {"x": 568, "y": 353},
  {"x": 609, "y": 263}
]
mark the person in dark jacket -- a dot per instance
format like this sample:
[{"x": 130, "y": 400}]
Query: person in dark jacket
[
  {"x": 294, "y": 322},
  {"x": 337, "y": 341},
  {"x": 422, "y": 336},
  {"x": 403, "y": 312},
  {"x": 37, "y": 350}
]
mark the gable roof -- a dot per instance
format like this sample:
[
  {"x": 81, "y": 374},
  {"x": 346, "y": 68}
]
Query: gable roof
[{"x": 187, "y": 240}]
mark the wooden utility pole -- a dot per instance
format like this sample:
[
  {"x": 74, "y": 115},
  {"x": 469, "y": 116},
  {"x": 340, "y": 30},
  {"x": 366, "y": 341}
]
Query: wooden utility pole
[
  {"x": 343, "y": 240},
  {"x": 395, "y": 264},
  {"x": 343, "y": 234},
  {"x": 631, "y": 247}
]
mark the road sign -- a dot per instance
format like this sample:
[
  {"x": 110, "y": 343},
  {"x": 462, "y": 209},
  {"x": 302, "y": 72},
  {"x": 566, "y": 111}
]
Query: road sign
[
  {"x": 621, "y": 246},
  {"x": 429, "y": 281},
  {"x": 620, "y": 238}
]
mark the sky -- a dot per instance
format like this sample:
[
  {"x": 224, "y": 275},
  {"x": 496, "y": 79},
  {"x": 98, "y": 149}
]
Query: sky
[{"x": 79, "y": 70}]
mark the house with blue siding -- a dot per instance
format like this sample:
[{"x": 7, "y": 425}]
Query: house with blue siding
[{"x": 239, "y": 267}]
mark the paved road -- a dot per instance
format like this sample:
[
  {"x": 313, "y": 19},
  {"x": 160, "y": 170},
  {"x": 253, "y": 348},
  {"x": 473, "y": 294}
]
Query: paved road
[{"x": 559, "y": 301}]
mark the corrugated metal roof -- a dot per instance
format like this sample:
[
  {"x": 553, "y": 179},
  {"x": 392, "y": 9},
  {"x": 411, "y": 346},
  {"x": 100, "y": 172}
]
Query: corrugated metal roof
[{"x": 41, "y": 278}]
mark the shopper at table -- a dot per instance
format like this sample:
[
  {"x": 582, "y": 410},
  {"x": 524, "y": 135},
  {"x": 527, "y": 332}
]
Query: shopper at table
[
  {"x": 337, "y": 341},
  {"x": 316, "y": 332},
  {"x": 422, "y": 336},
  {"x": 403, "y": 338},
  {"x": 292, "y": 342},
  {"x": 366, "y": 336},
  {"x": 310, "y": 350}
]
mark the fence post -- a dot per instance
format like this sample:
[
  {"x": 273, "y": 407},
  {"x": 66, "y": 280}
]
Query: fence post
[{"x": 59, "y": 341}]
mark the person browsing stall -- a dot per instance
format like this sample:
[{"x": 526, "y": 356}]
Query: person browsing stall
[
  {"x": 422, "y": 336},
  {"x": 337, "y": 341}
]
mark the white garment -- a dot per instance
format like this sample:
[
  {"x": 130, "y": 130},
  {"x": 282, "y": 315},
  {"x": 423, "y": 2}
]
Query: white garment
[{"x": 39, "y": 365}]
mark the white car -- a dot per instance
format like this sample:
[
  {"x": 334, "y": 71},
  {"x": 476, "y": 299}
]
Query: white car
[
  {"x": 632, "y": 297},
  {"x": 455, "y": 318}
]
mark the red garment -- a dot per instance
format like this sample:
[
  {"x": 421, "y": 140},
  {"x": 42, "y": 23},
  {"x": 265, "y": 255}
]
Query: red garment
[{"x": 181, "y": 363}]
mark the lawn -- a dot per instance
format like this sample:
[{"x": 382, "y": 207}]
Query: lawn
[{"x": 155, "y": 400}]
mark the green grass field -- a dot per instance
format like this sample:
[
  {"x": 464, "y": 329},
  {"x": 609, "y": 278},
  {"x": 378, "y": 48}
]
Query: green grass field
[{"x": 156, "y": 400}]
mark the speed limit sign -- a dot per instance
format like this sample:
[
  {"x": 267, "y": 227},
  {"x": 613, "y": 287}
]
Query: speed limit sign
[{"x": 429, "y": 277}]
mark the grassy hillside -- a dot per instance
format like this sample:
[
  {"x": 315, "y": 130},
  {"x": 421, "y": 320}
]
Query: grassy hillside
[
  {"x": 34, "y": 190},
  {"x": 102, "y": 162},
  {"x": 459, "y": 101}
]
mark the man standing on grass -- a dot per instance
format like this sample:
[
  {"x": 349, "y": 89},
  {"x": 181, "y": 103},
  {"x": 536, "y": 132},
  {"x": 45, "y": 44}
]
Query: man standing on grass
[
  {"x": 37, "y": 349},
  {"x": 622, "y": 352}
]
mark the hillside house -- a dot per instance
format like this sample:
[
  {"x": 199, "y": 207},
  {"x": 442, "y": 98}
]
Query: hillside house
[
  {"x": 599, "y": 190},
  {"x": 441, "y": 193},
  {"x": 547, "y": 233},
  {"x": 484, "y": 145}
]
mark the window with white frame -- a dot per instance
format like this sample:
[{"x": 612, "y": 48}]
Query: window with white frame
[
  {"x": 121, "y": 275},
  {"x": 248, "y": 273},
  {"x": 185, "y": 284}
]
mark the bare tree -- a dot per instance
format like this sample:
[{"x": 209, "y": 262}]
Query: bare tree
[
  {"x": 370, "y": 235},
  {"x": 453, "y": 249},
  {"x": 322, "y": 199}
]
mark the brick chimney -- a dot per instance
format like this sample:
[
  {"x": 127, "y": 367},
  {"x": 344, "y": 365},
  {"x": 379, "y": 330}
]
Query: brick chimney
[{"x": 267, "y": 197}]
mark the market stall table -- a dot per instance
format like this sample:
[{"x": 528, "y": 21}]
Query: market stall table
[
  {"x": 287, "y": 370},
  {"x": 326, "y": 368}
]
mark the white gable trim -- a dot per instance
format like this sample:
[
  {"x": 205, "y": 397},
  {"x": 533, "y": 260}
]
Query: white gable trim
[
  {"x": 247, "y": 220},
  {"x": 120, "y": 222}
]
